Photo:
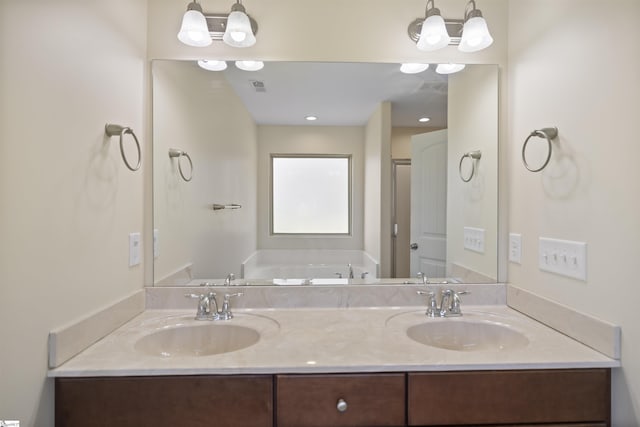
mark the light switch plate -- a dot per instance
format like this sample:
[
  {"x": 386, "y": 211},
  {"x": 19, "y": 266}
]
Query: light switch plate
[
  {"x": 134, "y": 249},
  {"x": 563, "y": 257},
  {"x": 474, "y": 239},
  {"x": 515, "y": 248}
]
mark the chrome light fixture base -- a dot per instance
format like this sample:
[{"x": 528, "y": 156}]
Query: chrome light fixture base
[
  {"x": 217, "y": 23},
  {"x": 454, "y": 28}
]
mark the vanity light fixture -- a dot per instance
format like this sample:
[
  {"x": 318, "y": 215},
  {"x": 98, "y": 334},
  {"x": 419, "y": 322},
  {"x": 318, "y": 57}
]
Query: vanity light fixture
[
  {"x": 424, "y": 119},
  {"x": 433, "y": 35},
  {"x": 212, "y": 65},
  {"x": 470, "y": 34},
  {"x": 236, "y": 28},
  {"x": 449, "y": 68},
  {"x": 413, "y": 68},
  {"x": 194, "y": 30},
  {"x": 311, "y": 118},
  {"x": 475, "y": 33},
  {"x": 250, "y": 65}
]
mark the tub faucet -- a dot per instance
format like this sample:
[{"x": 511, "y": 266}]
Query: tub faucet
[
  {"x": 423, "y": 277},
  {"x": 229, "y": 280}
]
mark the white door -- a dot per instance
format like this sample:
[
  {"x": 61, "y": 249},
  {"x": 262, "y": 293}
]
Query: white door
[{"x": 429, "y": 203}]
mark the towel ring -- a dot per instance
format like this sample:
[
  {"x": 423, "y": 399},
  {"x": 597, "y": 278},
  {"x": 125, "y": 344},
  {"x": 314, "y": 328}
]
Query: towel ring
[
  {"x": 473, "y": 156},
  {"x": 115, "y": 130},
  {"x": 174, "y": 152},
  {"x": 546, "y": 133}
]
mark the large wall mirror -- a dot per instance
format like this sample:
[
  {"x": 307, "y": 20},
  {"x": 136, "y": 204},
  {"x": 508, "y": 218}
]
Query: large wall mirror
[{"x": 405, "y": 164}]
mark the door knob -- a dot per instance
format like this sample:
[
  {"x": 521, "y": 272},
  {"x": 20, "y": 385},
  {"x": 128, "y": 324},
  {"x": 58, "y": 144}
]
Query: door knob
[{"x": 414, "y": 246}]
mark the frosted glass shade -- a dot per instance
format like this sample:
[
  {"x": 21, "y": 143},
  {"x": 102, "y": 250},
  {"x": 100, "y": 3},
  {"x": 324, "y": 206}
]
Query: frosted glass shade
[
  {"x": 238, "y": 32},
  {"x": 449, "y": 68},
  {"x": 212, "y": 65},
  {"x": 194, "y": 30},
  {"x": 434, "y": 34},
  {"x": 475, "y": 35},
  {"x": 413, "y": 68}
]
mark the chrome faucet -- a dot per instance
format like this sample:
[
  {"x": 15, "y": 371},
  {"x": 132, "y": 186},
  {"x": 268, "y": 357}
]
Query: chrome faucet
[
  {"x": 208, "y": 306},
  {"x": 449, "y": 303},
  {"x": 423, "y": 277},
  {"x": 229, "y": 279},
  {"x": 350, "y": 271}
]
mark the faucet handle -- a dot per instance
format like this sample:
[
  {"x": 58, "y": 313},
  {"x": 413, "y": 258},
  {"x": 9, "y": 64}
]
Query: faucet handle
[
  {"x": 432, "y": 305},
  {"x": 204, "y": 304},
  {"x": 227, "y": 297},
  {"x": 455, "y": 301},
  {"x": 226, "y": 314}
]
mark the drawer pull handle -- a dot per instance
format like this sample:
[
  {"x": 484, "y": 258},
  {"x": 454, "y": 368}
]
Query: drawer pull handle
[{"x": 342, "y": 405}]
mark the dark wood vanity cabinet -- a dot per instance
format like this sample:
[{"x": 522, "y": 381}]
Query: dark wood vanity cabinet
[
  {"x": 189, "y": 401},
  {"x": 547, "y": 397},
  {"x": 523, "y": 398}
]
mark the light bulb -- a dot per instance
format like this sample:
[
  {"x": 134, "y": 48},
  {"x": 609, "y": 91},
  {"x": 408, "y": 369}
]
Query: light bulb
[
  {"x": 238, "y": 32},
  {"x": 449, "y": 68},
  {"x": 212, "y": 65},
  {"x": 413, "y": 68},
  {"x": 250, "y": 65}
]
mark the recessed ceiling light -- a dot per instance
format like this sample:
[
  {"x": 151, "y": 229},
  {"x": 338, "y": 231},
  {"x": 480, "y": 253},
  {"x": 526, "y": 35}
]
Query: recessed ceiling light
[
  {"x": 311, "y": 118},
  {"x": 212, "y": 65},
  {"x": 424, "y": 119},
  {"x": 413, "y": 68},
  {"x": 250, "y": 65}
]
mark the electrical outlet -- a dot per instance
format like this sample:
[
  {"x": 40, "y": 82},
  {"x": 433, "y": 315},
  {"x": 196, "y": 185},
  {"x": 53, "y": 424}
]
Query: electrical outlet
[
  {"x": 515, "y": 248},
  {"x": 134, "y": 249},
  {"x": 474, "y": 239},
  {"x": 156, "y": 244},
  {"x": 563, "y": 257}
]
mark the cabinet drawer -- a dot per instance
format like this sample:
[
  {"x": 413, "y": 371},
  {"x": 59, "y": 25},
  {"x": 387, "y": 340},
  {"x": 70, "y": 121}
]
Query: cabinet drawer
[
  {"x": 505, "y": 397},
  {"x": 311, "y": 400},
  {"x": 194, "y": 401}
]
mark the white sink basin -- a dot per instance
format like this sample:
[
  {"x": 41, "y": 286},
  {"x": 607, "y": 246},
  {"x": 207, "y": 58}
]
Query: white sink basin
[
  {"x": 463, "y": 335},
  {"x": 197, "y": 340}
]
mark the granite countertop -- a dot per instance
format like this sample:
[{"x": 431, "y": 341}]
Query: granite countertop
[{"x": 331, "y": 341}]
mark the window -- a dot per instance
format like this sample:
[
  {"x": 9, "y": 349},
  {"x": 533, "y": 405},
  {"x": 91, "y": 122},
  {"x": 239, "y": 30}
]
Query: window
[{"x": 310, "y": 194}]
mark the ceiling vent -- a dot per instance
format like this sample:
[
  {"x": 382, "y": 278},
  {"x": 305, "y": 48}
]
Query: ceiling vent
[{"x": 258, "y": 86}]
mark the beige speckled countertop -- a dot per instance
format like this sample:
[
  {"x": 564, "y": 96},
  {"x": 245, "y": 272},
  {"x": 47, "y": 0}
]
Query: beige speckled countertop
[{"x": 331, "y": 340}]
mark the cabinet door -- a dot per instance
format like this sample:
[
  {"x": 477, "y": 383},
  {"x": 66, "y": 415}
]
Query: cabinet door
[
  {"x": 312, "y": 400},
  {"x": 193, "y": 401},
  {"x": 509, "y": 397}
]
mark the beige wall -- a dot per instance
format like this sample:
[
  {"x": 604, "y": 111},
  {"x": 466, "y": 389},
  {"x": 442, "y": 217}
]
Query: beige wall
[
  {"x": 377, "y": 187},
  {"x": 473, "y": 126},
  {"x": 197, "y": 111},
  {"x": 575, "y": 64},
  {"x": 401, "y": 140},
  {"x": 309, "y": 140},
  {"x": 67, "y": 202}
]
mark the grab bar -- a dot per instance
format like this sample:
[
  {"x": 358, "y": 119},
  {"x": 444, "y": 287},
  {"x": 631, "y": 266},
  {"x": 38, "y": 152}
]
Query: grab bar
[{"x": 117, "y": 130}]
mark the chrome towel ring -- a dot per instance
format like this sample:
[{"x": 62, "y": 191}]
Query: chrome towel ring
[
  {"x": 546, "y": 133},
  {"x": 474, "y": 156},
  {"x": 174, "y": 152},
  {"x": 117, "y": 130}
]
